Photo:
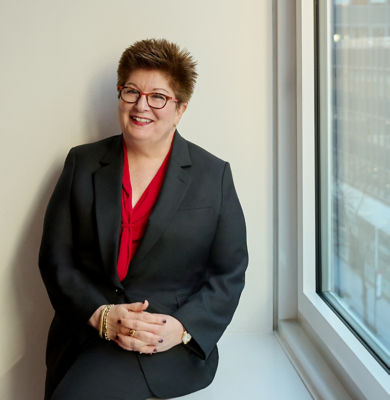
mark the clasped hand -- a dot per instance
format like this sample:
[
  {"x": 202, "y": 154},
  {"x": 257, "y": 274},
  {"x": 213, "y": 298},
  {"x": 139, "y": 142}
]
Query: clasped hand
[{"x": 135, "y": 329}]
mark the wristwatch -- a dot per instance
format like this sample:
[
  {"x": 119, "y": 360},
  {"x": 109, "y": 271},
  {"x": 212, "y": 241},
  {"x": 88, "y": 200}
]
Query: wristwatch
[{"x": 186, "y": 337}]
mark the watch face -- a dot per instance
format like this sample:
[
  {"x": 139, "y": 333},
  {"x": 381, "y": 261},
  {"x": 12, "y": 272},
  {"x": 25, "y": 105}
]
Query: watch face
[{"x": 186, "y": 337}]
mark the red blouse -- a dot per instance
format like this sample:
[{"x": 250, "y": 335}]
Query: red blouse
[{"x": 134, "y": 220}]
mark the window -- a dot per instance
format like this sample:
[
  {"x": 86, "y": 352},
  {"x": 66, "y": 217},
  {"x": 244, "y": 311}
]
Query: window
[{"x": 353, "y": 167}]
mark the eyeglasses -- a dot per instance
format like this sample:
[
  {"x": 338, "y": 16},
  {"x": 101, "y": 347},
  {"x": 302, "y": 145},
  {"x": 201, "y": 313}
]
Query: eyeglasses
[{"x": 154, "y": 100}]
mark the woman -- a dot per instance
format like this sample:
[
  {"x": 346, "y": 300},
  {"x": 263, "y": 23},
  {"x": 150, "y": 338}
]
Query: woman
[{"x": 144, "y": 247}]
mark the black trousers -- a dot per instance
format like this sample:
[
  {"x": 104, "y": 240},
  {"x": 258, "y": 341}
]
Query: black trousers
[{"x": 104, "y": 371}]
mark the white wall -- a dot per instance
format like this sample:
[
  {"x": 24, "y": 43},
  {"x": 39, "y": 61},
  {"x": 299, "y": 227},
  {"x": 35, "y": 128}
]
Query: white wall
[{"x": 57, "y": 85}]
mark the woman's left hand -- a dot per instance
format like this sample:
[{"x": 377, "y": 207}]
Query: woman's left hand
[{"x": 171, "y": 333}]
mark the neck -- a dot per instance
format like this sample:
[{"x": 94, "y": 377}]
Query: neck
[{"x": 137, "y": 149}]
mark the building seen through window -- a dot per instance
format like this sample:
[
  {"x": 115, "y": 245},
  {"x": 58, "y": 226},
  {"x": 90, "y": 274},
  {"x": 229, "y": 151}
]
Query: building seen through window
[{"x": 354, "y": 166}]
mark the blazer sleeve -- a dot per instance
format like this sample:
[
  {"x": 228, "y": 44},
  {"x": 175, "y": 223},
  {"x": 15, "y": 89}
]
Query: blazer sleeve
[
  {"x": 70, "y": 291},
  {"x": 207, "y": 313}
]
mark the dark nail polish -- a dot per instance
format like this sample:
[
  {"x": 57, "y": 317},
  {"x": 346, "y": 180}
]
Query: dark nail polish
[
  {"x": 164, "y": 321},
  {"x": 161, "y": 340},
  {"x": 119, "y": 321},
  {"x": 155, "y": 351}
]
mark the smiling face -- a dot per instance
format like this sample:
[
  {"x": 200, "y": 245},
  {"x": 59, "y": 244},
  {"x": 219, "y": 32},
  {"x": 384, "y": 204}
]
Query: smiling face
[{"x": 138, "y": 121}]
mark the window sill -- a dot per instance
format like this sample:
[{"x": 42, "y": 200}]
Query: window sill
[
  {"x": 314, "y": 371},
  {"x": 252, "y": 366},
  {"x": 320, "y": 332}
]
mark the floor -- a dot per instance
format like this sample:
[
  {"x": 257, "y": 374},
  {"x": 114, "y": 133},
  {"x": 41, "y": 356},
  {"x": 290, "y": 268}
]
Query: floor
[{"x": 253, "y": 367}]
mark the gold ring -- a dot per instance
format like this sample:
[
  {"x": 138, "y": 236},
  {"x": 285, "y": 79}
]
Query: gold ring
[{"x": 131, "y": 332}]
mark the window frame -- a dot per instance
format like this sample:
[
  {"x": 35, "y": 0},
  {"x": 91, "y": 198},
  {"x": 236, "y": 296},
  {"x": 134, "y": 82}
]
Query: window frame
[
  {"x": 340, "y": 343},
  {"x": 323, "y": 93}
]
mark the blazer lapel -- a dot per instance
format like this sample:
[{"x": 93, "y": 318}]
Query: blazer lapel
[
  {"x": 176, "y": 183},
  {"x": 108, "y": 206}
]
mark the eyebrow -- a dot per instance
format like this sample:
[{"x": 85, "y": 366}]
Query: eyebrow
[{"x": 153, "y": 90}]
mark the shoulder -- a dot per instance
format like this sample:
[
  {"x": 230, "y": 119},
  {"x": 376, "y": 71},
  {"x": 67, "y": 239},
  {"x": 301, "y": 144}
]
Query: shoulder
[
  {"x": 99, "y": 148},
  {"x": 206, "y": 169},
  {"x": 198, "y": 153},
  {"x": 202, "y": 159},
  {"x": 91, "y": 155}
]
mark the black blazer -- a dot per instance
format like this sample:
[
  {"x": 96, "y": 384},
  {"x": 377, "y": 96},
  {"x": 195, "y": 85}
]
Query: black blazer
[{"x": 190, "y": 263}]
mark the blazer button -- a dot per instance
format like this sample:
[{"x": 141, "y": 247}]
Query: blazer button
[{"x": 118, "y": 291}]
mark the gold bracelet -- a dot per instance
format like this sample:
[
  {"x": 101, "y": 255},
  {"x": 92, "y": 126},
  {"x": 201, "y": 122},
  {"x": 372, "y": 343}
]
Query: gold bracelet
[
  {"x": 105, "y": 315},
  {"x": 101, "y": 322}
]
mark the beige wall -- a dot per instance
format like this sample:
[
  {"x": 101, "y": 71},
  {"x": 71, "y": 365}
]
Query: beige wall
[{"x": 57, "y": 90}]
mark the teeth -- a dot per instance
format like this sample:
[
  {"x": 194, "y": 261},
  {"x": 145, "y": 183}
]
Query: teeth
[{"x": 141, "y": 119}]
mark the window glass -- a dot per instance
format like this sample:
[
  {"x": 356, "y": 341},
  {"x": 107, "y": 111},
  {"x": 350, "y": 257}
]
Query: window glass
[{"x": 353, "y": 143}]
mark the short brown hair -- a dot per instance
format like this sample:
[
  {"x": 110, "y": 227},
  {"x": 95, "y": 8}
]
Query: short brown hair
[{"x": 164, "y": 56}]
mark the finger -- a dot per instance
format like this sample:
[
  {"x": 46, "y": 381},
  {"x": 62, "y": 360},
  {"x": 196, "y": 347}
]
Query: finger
[
  {"x": 148, "y": 350},
  {"x": 117, "y": 313},
  {"x": 119, "y": 340},
  {"x": 150, "y": 318},
  {"x": 140, "y": 326},
  {"x": 156, "y": 318},
  {"x": 133, "y": 344},
  {"x": 160, "y": 319},
  {"x": 145, "y": 337},
  {"x": 137, "y": 307},
  {"x": 126, "y": 343}
]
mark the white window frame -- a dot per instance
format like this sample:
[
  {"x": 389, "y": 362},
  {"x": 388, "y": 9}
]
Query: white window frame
[{"x": 338, "y": 342}]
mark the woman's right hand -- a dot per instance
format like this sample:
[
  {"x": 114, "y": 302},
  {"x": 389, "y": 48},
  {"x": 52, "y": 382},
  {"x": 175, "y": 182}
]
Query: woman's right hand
[{"x": 131, "y": 327}]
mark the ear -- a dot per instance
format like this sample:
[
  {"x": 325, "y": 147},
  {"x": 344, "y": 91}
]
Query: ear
[
  {"x": 182, "y": 107},
  {"x": 179, "y": 112}
]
